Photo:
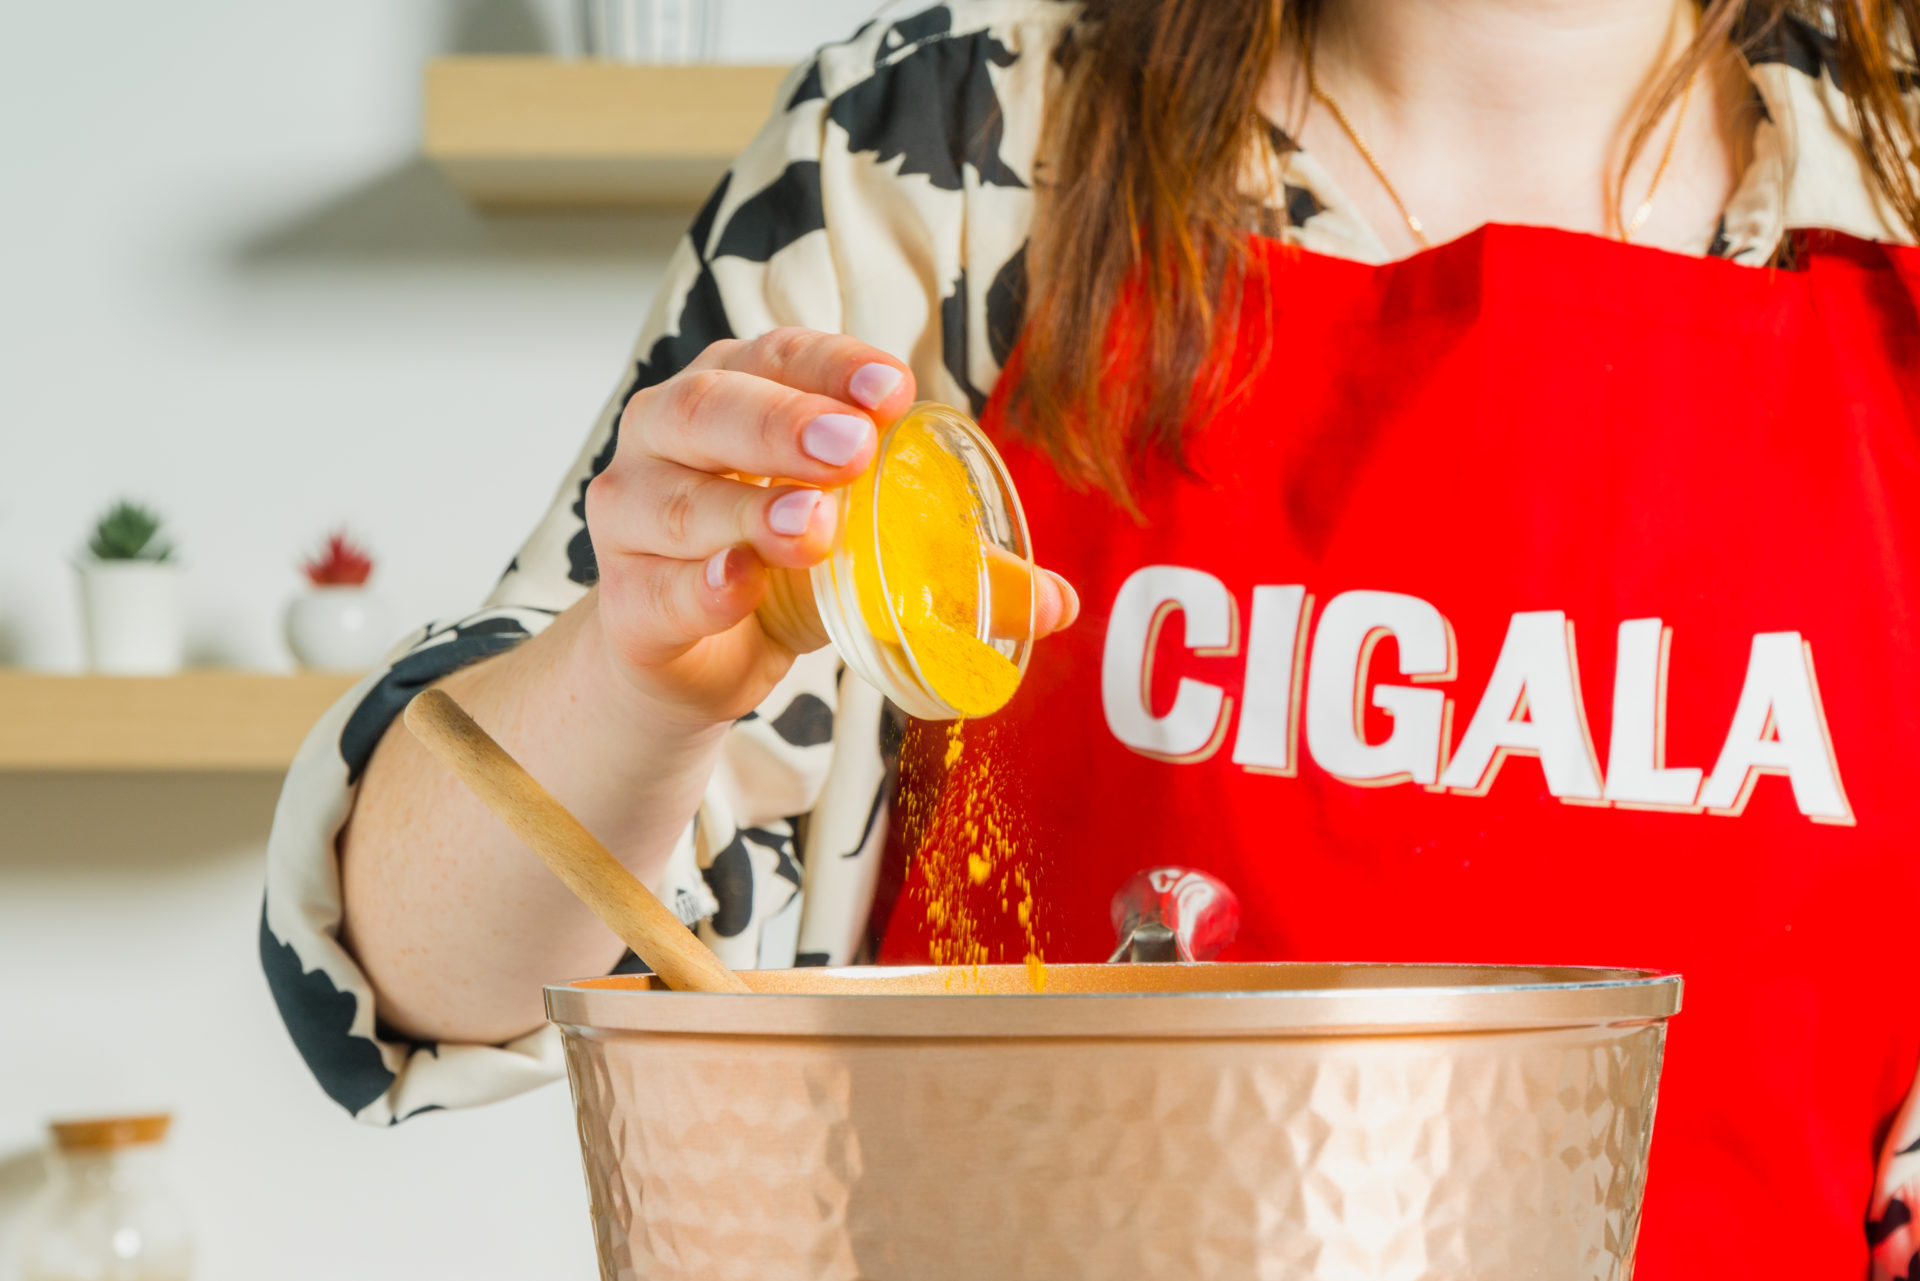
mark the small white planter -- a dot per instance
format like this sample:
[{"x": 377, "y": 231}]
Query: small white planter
[
  {"x": 337, "y": 629},
  {"x": 130, "y": 612},
  {"x": 649, "y": 30}
]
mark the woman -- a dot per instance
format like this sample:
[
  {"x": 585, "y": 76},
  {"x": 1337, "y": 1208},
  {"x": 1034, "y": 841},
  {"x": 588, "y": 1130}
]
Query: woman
[{"x": 1425, "y": 506}]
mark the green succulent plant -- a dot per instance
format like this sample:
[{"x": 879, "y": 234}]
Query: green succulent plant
[{"x": 129, "y": 531}]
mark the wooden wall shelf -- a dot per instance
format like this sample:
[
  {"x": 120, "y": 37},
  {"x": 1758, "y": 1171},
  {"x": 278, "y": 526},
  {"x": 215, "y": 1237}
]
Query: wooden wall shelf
[
  {"x": 531, "y": 134},
  {"x": 195, "y": 721}
]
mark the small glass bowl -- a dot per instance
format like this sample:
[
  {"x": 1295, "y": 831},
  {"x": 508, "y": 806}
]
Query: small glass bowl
[{"x": 881, "y": 538}]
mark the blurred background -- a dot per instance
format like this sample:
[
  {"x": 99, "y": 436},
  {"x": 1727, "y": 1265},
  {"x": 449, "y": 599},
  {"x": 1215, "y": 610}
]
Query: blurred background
[{"x": 234, "y": 289}]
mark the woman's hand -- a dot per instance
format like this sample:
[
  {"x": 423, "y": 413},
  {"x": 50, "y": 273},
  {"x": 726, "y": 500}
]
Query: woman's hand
[
  {"x": 622, "y": 704},
  {"x": 684, "y": 544}
]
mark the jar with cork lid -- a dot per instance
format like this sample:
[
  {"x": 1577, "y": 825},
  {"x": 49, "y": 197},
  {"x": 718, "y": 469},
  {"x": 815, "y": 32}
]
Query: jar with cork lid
[
  {"x": 108, "y": 1212},
  {"x": 928, "y": 594}
]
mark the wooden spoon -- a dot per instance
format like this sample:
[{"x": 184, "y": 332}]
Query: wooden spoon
[{"x": 601, "y": 881}]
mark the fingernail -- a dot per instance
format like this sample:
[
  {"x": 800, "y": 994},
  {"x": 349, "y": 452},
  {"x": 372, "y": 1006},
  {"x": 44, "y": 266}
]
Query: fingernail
[
  {"x": 717, "y": 568},
  {"x": 792, "y": 513},
  {"x": 873, "y": 383},
  {"x": 1067, "y": 593},
  {"x": 835, "y": 438}
]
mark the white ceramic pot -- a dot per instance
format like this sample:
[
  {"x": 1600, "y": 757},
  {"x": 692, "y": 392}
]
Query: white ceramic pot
[
  {"x": 130, "y": 612},
  {"x": 338, "y": 629},
  {"x": 649, "y": 30}
]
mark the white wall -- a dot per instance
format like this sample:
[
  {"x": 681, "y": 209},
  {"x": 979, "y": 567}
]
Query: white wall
[
  {"x": 229, "y": 287},
  {"x": 128, "y": 981}
]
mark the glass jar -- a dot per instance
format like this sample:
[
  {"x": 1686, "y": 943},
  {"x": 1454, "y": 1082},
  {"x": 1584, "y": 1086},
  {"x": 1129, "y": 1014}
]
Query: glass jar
[
  {"x": 107, "y": 1213},
  {"x": 928, "y": 594}
]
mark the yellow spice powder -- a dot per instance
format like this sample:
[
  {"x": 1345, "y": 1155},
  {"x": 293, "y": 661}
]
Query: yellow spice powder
[
  {"x": 916, "y": 507},
  {"x": 934, "y": 563},
  {"x": 973, "y": 857}
]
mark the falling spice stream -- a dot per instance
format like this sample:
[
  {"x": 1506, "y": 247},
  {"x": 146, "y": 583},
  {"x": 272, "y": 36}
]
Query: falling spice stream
[{"x": 977, "y": 867}]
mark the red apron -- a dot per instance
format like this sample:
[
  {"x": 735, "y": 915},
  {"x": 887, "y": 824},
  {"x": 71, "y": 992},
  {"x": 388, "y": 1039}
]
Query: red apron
[{"x": 1547, "y": 600}]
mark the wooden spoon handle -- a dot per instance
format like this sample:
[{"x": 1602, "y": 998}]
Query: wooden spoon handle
[{"x": 600, "y": 880}]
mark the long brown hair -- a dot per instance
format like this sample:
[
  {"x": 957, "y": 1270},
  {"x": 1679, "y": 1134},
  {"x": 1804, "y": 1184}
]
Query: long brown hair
[{"x": 1143, "y": 207}]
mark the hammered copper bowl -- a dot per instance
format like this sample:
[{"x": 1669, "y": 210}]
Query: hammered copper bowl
[{"x": 1164, "y": 1121}]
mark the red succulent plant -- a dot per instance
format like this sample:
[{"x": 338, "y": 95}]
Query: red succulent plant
[{"x": 341, "y": 563}]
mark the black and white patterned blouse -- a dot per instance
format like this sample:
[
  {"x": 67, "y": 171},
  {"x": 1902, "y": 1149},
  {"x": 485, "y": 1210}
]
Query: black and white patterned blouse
[{"x": 888, "y": 197}]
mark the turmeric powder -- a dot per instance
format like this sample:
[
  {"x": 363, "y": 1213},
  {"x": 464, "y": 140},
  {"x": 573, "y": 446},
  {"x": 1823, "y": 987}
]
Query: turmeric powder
[
  {"x": 926, "y": 592},
  {"x": 930, "y": 595},
  {"x": 975, "y": 855}
]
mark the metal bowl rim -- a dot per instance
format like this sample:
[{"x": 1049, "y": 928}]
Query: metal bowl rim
[{"x": 1624, "y": 996}]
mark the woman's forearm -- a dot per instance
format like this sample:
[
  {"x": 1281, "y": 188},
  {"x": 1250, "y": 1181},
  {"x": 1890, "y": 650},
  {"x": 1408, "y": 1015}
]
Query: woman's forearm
[
  {"x": 455, "y": 922},
  {"x": 621, "y": 706}
]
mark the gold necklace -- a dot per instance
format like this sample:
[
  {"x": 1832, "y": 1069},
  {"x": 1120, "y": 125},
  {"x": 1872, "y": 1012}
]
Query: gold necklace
[{"x": 1325, "y": 99}]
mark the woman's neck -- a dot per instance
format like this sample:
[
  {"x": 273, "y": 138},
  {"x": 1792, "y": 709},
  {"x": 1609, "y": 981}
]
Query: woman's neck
[{"x": 1514, "y": 111}]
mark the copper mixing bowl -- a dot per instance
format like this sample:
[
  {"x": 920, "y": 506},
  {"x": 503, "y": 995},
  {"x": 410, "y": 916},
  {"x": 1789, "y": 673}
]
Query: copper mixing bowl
[{"x": 1191, "y": 1121}]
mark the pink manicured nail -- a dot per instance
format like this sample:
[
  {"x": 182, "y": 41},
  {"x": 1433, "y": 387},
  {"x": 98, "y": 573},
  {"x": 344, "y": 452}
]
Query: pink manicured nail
[
  {"x": 792, "y": 513},
  {"x": 717, "y": 569},
  {"x": 873, "y": 383},
  {"x": 835, "y": 438},
  {"x": 1067, "y": 592}
]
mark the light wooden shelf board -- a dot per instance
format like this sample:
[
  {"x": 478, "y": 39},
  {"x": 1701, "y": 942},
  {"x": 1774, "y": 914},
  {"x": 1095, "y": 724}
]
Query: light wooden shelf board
[
  {"x": 530, "y": 134},
  {"x": 208, "y": 720}
]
